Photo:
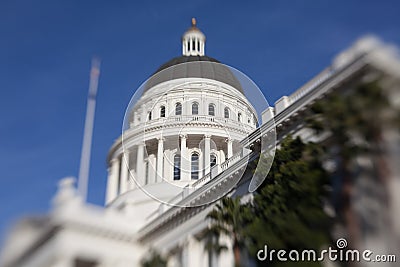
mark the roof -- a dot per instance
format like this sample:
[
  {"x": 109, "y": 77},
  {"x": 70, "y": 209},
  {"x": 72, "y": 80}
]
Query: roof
[{"x": 197, "y": 67}]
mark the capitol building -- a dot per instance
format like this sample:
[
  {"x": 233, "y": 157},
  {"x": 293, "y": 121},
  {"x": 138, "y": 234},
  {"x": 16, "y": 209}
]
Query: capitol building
[
  {"x": 187, "y": 122},
  {"x": 188, "y": 135}
]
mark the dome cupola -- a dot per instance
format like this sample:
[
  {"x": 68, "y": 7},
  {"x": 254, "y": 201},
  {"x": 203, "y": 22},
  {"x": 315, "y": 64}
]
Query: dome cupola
[
  {"x": 193, "y": 41},
  {"x": 202, "y": 66}
]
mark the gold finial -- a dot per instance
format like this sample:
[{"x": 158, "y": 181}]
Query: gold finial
[{"x": 193, "y": 22}]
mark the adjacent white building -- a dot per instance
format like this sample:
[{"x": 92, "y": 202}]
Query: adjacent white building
[{"x": 186, "y": 141}]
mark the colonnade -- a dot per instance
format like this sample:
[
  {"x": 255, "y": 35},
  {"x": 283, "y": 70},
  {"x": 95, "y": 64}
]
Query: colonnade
[{"x": 151, "y": 169}]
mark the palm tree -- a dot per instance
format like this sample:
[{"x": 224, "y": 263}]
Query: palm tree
[
  {"x": 230, "y": 217},
  {"x": 355, "y": 119},
  {"x": 212, "y": 243}
]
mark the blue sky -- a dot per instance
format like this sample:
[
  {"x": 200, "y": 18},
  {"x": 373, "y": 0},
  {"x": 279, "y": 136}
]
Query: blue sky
[{"x": 46, "y": 49}]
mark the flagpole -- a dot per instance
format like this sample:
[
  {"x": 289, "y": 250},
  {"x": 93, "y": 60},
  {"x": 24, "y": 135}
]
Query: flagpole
[{"x": 88, "y": 131}]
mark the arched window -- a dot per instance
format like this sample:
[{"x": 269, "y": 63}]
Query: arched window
[
  {"x": 213, "y": 160},
  {"x": 211, "y": 109},
  {"x": 178, "y": 109},
  {"x": 239, "y": 117},
  {"x": 149, "y": 116},
  {"x": 195, "y": 166},
  {"x": 177, "y": 167},
  {"x": 226, "y": 113},
  {"x": 195, "y": 108},
  {"x": 162, "y": 112}
]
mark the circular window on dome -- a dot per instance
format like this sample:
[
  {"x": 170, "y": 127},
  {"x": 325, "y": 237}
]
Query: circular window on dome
[{"x": 193, "y": 142}]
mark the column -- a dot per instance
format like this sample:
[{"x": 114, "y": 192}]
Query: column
[
  {"x": 184, "y": 159},
  {"x": 124, "y": 172},
  {"x": 160, "y": 159},
  {"x": 167, "y": 165},
  {"x": 152, "y": 169},
  {"x": 140, "y": 164},
  {"x": 206, "y": 153},
  {"x": 112, "y": 184},
  {"x": 229, "y": 147},
  {"x": 144, "y": 114}
]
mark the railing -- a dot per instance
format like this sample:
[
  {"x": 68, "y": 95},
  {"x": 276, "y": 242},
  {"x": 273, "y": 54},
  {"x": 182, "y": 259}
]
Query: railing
[
  {"x": 302, "y": 91},
  {"x": 192, "y": 119},
  {"x": 227, "y": 163},
  {"x": 202, "y": 180},
  {"x": 208, "y": 177}
]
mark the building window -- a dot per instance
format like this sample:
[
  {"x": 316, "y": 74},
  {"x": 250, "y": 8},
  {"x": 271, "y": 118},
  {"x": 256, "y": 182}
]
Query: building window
[
  {"x": 195, "y": 108},
  {"x": 226, "y": 113},
  {"x": 194, "y": 45},
  {"x": 195, "y": 166},
  {"x": 177, "y": 167},
  {"x": 211, "y": 109},
  {"x": 239, "y": 117},
  {"x": 178, "y": 109},
  {"x": 213, "y": 160},
  {"x": 162, "y": 111},
  {"x": 149, "y": 116}
]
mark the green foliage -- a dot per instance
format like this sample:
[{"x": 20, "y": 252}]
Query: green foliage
[
  {"x": 155, "y": 260},
  {"x": 287, "y": 211},
  {"x": 288, "y": 208}
]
